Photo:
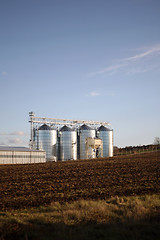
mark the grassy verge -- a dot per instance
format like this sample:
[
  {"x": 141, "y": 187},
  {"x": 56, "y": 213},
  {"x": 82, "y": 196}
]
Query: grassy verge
[{"x": 136, "y": 217}]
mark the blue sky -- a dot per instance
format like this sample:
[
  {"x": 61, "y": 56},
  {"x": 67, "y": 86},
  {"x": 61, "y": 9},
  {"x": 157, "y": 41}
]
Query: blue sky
[{"x": 88, "y": 59}]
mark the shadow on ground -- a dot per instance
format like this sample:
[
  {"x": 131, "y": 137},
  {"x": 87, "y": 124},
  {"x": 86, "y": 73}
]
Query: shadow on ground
[{"x": 36, "y": 229}]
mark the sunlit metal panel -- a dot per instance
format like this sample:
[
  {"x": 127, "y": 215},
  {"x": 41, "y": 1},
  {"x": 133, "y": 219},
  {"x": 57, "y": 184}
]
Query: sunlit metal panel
[
  {"x": 68, "y": 144},
  {"x": 84, "y": 133},
  {"x": 46, "y": 139},
  {"x": 106, "y": 135}
]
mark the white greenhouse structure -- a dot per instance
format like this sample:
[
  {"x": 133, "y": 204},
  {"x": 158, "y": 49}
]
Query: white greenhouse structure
[{"x": 21, "y": 155}]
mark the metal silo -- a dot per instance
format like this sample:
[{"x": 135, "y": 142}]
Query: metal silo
[
  {"x": 106, "y": 135},
  {"x": 68, "y": 144},
  {"x": 84, "y": 133},
  {"x": 46, "y": 139}
]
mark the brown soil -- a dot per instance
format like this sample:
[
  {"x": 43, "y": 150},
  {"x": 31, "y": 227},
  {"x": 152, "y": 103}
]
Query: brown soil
[{"x": 25, "y": 186}]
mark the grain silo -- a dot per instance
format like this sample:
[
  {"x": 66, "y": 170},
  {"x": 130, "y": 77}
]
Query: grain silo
[
  {"x": 106, "y": 135},
  {"x": 67, "y": 143},
  {"x": 83, "y": 142},
  {"x": 84, "y": 133},
  {"x": 46, "y": 139}
]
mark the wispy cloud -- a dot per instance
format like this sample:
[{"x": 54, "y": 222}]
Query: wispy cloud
[
  {"x": 4, "y": 73},
  {"x": 153, "y": 51},
  {"x": 19, "y": 138},
  {"x": 19, "y": 133},
  {"x": 111, "y": 68},
  {"x": 138, "y": 63},
  {"x": 15, "y": 141},
  {"x": 94, "y": 94}
]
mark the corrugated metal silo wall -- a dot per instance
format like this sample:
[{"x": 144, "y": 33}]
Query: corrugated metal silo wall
[
  {"x": 85, "y": 133},
  {"x": 67, "y": 145}
]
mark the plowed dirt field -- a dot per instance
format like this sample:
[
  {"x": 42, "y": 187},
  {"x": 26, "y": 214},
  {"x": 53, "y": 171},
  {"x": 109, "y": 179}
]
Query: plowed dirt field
[{"x": 25, "y": 186}]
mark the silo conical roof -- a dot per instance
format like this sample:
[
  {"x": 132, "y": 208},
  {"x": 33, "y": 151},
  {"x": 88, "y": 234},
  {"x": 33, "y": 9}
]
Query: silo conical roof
[
  {"x": 65, "y": 129},
  {"x": 103, "y": 128},
  {"x": 85, "y": 127},
  {"x": 44, "y": 127}
]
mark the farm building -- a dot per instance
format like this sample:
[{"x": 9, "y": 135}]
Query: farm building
[
  {"x": 21, "y": 155},
  {"x": 65, "y": 139}
]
